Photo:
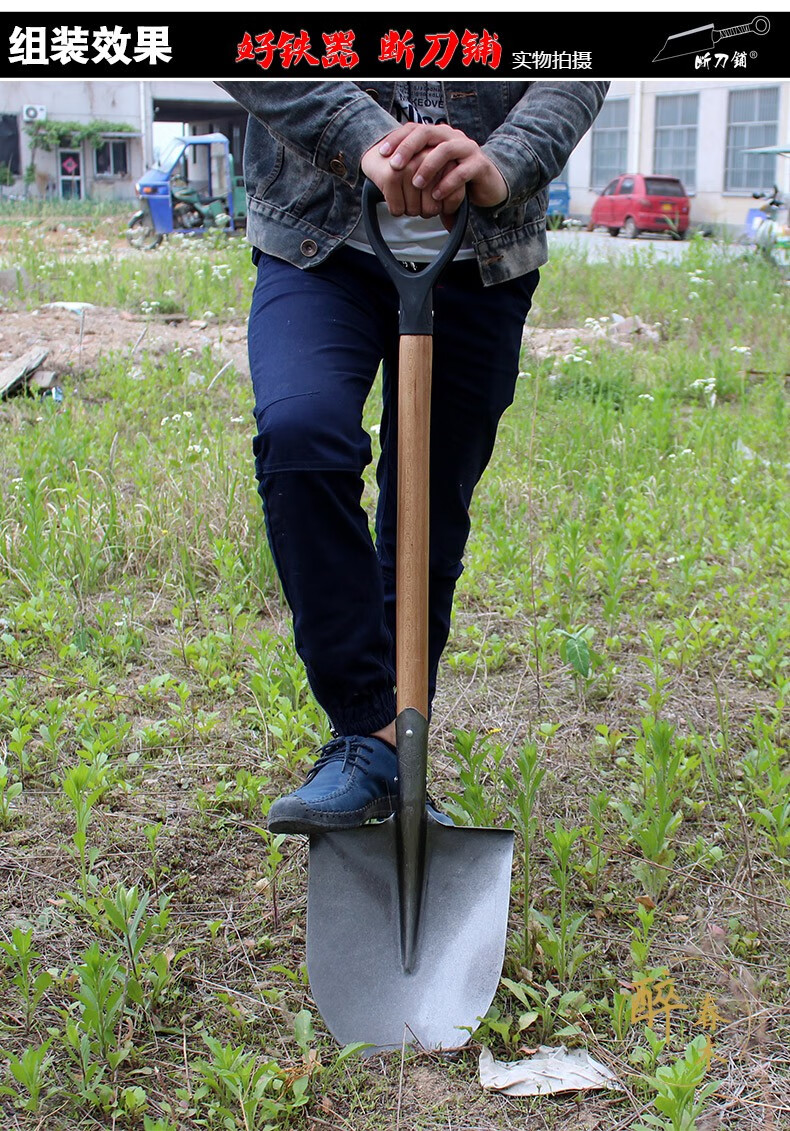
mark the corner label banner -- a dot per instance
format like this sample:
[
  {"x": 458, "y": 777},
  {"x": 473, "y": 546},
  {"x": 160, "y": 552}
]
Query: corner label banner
[{"x": 396, "y": 45}]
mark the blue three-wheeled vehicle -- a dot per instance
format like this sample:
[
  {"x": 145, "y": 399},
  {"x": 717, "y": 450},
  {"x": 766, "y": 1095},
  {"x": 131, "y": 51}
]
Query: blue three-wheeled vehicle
[{"x": 192, "y": 188}]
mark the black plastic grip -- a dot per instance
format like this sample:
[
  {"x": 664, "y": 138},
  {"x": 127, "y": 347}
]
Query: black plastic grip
[{"x": 415, "y": 288}]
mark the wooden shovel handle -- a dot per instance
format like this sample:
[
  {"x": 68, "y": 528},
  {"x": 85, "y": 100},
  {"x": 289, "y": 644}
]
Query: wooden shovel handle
[{"x": 413, "y": 544}]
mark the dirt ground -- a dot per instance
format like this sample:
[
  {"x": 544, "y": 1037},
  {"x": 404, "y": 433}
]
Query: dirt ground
[
  {"x": 76, "y": 341},
  {"x": 77, "y": 335},
  {"x": 223, "y": 868}
]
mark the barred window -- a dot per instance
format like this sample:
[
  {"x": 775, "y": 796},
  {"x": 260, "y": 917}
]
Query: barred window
[
  {"x": 752, "y": 120},
  {"x": 675, "y": 138},
  {"x": 609, "y": 142}
]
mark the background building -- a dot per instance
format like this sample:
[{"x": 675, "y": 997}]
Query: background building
[
  {"x": 134, "y": 107},
  {"x": 695, "y": 129}
]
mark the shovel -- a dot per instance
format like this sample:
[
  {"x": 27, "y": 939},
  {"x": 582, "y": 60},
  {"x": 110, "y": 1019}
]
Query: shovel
[
  {"x": 407, "y": 918},
  {"x": 698, "y": 40}
]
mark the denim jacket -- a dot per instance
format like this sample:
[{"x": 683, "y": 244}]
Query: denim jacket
[{"x": 305, "y": 142}]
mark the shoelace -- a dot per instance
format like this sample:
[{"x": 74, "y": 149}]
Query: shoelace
[
  {"x": 342, "y": 748},
  {"x": 351, "y": 753}
]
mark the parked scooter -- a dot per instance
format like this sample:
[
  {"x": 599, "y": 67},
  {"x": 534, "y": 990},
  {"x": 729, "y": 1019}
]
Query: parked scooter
[{"x": 764, "y": 228}]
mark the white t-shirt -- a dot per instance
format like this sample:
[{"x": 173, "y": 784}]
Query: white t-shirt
[{"x": 411, "y": 238}]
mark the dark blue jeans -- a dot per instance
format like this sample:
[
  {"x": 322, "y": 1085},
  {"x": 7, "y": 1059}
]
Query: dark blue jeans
[{"x": 316, "y": 339}]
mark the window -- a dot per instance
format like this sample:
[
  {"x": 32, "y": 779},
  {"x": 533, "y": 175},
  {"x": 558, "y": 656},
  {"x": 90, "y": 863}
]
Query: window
[
  {"x": 111, "y": 159},
  {"x": 663, "y": 187},
  {"x": 752, "y": 120},
  {"x": 219, "y": 185},
  {"x": 609, "y": 141},
  {"x": 9, "y": 143},
  {"x": 626, "y": 186},
  {"x": 610, "y": 188},
  {"x": 675, "y": 141}
]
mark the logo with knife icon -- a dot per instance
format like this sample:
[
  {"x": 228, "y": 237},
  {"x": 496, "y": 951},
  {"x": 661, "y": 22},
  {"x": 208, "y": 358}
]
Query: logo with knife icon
[{"x": 700, "y": 39}]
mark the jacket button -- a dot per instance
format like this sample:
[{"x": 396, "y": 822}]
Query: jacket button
[
  {"x": 308, "y": 248},
  {"x": 338, "y": 166},
  {"x": 372, "y": 93}
]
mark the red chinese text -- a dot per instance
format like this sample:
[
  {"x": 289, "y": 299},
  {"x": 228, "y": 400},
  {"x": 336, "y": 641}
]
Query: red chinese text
[
  {"x": 397, "y": 48},
  {"x": 338, "y": 50}
]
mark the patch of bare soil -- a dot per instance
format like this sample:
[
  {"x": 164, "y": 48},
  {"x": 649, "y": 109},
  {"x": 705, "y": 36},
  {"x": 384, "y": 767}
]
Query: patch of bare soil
[
  {"x": 78, "y": 335},
  {"x": 544, "y": 342}
]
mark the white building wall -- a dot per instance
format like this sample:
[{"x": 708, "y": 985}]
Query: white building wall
[
  {"x": 579, "y": 166},
  {"x": 78, "y": 102},
  {"x": 710, "y": 204},
  {"x": 127, "y": 101}
]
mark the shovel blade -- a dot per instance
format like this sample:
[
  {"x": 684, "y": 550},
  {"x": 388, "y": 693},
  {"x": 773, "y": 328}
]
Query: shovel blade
[{"x": 354, "y": 957}]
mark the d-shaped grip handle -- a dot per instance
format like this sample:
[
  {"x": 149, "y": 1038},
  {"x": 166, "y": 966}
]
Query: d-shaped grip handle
[{"x": 415, "y": 288}]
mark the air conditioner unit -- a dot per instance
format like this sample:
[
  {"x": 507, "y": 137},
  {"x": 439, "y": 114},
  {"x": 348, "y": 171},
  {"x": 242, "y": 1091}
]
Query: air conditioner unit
[{"x": 34, "y": 113}]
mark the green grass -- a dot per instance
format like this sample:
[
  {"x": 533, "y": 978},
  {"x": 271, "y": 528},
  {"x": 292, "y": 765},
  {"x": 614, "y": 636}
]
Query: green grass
[
  {"x": 33, "y": 210},
  {"x": 616, "y": 685},
  {"x": 86, "y": 261}
]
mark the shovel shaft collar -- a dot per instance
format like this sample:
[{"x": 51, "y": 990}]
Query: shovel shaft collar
[{"x": 412, "y": 736}]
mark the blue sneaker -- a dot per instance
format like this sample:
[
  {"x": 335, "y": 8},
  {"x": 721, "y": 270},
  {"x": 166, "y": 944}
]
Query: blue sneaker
[{"x": 354, "y": 780}]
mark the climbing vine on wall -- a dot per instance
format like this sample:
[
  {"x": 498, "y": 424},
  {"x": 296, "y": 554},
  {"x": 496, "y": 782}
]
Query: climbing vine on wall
[
  {"x": 52, "y": 135},
  {"x": 70, "y": 135}
]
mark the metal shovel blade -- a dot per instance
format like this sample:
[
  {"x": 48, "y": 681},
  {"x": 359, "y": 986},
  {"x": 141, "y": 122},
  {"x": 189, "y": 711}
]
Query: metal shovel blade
[{"x": 354, "y": 952}]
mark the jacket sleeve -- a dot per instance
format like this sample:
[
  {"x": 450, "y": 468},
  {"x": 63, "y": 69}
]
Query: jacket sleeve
[
  {"x": 321, "y": 121},
  {"x": 536, "y": 139}
]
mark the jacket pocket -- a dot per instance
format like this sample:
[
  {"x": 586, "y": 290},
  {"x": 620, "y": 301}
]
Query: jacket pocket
[
  {"x": 266, "y": 168},
  {"x": 291, "y": 185}
]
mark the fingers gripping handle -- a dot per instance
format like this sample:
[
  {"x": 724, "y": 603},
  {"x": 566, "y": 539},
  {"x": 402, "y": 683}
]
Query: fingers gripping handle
[{"x": 415, "y": 289}]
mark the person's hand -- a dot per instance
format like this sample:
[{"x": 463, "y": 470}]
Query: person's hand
[
  {"x": 397, "y": 182},
  {"x": 448, "y": 164}
]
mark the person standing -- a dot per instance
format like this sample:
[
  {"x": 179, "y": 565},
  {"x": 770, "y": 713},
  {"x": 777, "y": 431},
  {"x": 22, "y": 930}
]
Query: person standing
[{"x": 324, "y": 316}]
